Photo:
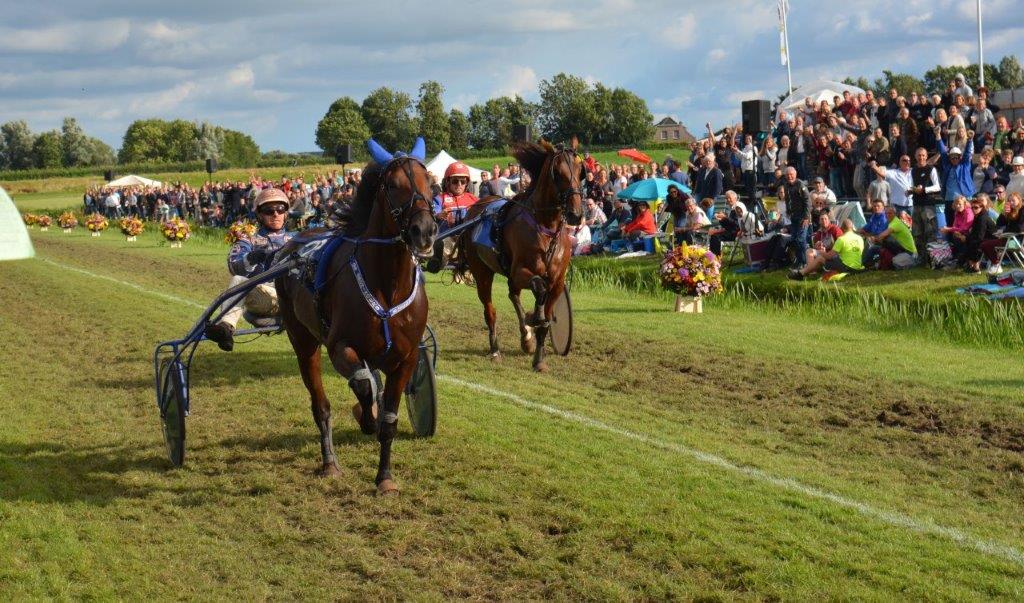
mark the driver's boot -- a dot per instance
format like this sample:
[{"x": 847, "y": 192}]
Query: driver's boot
[{"x": 223, "y": 334}]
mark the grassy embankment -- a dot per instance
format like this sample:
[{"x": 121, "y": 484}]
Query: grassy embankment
[{"x": 506, "y": 501}]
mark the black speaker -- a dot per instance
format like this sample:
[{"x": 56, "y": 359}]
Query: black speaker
[
  {"x": 522, "y": 133},
  {"x": 756, "y": 116},
  {"x": 211, "y": 166},
  {"x": 108, "y": 175},
  {"x": 343, "y": 154}
]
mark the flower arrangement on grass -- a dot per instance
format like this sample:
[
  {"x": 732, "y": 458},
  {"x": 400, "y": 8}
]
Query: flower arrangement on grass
[
  {"x": 96, "y": 224},
  {"x": 131, "y": 227},
  {"x": 44, "y": 222},
  {"x": 67, "y": 221},
  {"x": 691, "y": 271},
  {"x": 239, "y": 230},
  {"x": 30, "y": 219},
  {"x": 176, "y": 231}
]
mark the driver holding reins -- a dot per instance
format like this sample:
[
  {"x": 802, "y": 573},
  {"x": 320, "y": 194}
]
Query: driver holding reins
[
  {"x": 252, "y": 255},
  {"x": 450, "y": 207}
]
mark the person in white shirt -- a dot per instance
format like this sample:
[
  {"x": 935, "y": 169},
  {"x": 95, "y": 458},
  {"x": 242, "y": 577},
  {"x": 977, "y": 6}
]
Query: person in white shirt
[{"x": 901, "y": 181}]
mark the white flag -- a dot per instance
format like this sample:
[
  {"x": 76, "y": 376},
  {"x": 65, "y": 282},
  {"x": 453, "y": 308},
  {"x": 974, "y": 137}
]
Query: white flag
[{"x": 783, "y": 10}]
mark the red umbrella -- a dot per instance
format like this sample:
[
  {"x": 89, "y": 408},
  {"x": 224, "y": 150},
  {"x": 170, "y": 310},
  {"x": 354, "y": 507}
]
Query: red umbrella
[{"x": 635, "y": 155}]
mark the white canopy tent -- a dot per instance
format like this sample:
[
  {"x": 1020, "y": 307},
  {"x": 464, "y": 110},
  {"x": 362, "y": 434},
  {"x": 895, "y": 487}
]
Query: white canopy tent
[
  {"x": 124, "y": 181},
  {"x": 817, "y": 91},
  {"x": 440, "y": 163}
]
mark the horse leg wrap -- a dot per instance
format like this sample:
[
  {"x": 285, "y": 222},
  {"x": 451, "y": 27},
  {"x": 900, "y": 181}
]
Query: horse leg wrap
[
  {"x": 363, "y": 384},
  {"x": 326, "y": 441},
  {"x": 540, "y": 293}
]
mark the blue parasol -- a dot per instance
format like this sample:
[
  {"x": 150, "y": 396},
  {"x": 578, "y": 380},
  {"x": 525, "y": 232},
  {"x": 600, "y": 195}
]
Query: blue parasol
[{"x": 651, "y": 189}]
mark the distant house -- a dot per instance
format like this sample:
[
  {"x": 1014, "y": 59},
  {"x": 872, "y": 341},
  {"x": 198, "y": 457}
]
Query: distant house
[{"x": 670, "y": 130}]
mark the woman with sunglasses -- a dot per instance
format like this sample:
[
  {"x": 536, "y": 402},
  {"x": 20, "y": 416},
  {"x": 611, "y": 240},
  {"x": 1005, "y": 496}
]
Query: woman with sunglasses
[{"x": 252, "y": 255}]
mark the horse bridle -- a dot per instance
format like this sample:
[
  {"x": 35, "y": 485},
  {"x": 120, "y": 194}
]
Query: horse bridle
[
  {"x": 401, "y": 214},
  {"x": 565, "y": 196}
]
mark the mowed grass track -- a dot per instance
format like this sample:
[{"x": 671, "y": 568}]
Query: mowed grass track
[{"x": 505, "y": 501}]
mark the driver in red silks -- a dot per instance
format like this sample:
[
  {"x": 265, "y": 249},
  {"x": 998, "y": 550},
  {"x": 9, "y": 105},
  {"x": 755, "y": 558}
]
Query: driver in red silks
[{"x": 450, "y": 207}]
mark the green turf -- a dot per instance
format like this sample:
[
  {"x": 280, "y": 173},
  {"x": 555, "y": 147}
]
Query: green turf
[{"x": 505, "y": 502}]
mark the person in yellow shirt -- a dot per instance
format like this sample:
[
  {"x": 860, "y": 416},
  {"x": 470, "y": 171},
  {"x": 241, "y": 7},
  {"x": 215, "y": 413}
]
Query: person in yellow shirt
[{"x": 845, "y": 256}]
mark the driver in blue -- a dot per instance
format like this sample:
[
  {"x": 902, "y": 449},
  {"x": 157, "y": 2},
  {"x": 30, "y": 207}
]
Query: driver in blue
[{"x": 252, "y": 255}]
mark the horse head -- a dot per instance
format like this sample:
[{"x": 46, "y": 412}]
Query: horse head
[
  {"x": 557, "y": 174},
  {"x": 404, "y": 195}
]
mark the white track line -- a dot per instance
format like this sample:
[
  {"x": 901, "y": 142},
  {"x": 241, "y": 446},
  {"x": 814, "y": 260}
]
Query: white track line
[{"x": 893, "y": 518}]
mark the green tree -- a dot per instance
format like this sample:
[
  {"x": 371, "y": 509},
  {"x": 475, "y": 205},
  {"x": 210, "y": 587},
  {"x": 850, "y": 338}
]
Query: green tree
[
  {"x": 386, "y": 113},
  {"x": 604, "y": 118},
  {"x": 861, "y": 82},
  {"x": 342, "y": 124},
  {"x": 17, "y": 145},
  {"x": 567, "y": 108},
  {"x": 903, "y": 83},
  {"x": 181, "y": 140},
  {"x": 479, "y": 135},
  {"x": 1011, "y": 75},
  {"x": 632, "y": 122},
  {"x": 208, "y": 142},
  {"x": 433, "y": 122},
  {"x": 144, "y": 140},
  {"x": 46, "y": 150},
  {"x": 239, "y": 149},
  {"x": 458, "y": 129},
  {"x": 74, "y": 146},
  {"x": 100, "y": 152}
]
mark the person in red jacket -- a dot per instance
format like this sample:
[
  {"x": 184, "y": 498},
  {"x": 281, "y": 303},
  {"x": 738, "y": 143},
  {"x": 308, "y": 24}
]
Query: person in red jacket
[
  {"x": 642, "y": 224},
  {"x": 450, "y": 207}
]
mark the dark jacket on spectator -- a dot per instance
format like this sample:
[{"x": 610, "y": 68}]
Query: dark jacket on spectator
[
  {"x": 708, "y": 183},
  {"x": 798, "y": 201}
]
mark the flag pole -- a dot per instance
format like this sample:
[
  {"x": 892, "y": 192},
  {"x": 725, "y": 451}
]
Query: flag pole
[
  {"x": 784, "y": 9},
  {"x": 981, "y": 56}
]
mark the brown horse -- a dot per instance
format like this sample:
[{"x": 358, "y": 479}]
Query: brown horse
[
  {"x": 373, "y": 271},
  {"x": 535, "y": 243}
]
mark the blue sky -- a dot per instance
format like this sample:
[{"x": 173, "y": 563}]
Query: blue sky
[{"x": 272, "y": 68}]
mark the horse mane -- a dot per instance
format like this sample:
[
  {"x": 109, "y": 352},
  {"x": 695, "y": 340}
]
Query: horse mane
[
  {"x": 359, "y": 214},
  {"x": 531, "y": 157}
]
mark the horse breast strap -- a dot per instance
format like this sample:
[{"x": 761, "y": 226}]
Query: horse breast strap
[{"x": 378, "y": 309}]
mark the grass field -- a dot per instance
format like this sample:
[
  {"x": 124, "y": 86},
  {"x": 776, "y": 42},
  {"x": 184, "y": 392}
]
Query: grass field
[{"x": 746, "y": 452}]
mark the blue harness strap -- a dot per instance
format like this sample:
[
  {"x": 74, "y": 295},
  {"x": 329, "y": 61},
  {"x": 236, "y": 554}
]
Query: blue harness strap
[{"x": 378, "y": 309}]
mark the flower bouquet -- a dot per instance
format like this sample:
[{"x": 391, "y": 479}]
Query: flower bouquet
[
  {"x": 693, "y": 272},
  {"x": 176, "y": 231},
  {"x": 96, "y": 224},
  {"x": 131, "y": 227},
  {"x": 30, "y": 219},
  {"x": 44, "y": 222},
  {"x": 67, "y": 221},
  {"x": 239, "y": 230}
]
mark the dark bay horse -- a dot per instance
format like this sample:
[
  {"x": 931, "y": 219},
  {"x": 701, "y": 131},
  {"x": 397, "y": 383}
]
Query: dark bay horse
[
  {"x": 535, "y": 243},
  {"x": 372, "y": 311}
]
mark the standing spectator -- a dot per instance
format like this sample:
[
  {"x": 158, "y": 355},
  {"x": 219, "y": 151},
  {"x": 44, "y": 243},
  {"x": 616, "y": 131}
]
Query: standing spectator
[
  {"x": 769, "y": 158},
  {"x": 984, "y": 175},
  {"x": 798, "y": 205},
  {"x": 1015, "y": 182},
  {"x": 710, "y": 180},
  {"x": 956, "y": 176}
]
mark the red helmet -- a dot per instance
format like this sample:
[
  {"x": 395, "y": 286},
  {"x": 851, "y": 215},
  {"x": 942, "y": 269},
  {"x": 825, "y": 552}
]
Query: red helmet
[{"x": 457, "y": 169}]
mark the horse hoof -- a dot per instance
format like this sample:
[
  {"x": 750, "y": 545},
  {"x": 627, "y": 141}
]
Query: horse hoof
[
  {"x": 387, "y": 488},
  {"x": 541, "y": 367},
  {"x": 495, "y": 356},
  {"x": 357, "y": 414},
  {"x": 529, "y": 345},
  {"x": 328, "y": 470}
]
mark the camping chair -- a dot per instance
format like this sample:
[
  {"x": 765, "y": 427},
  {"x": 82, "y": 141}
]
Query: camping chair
[{"x": 1012, "y": 249}]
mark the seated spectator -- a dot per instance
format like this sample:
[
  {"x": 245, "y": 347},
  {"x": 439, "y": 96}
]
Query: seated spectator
[
  {"x": 737, "y": 223},
  {"x": 692, "y": 220},
  {"x": 593, "y": 214},
  {"x": 708, "y": 205},
  {"x": 620, "y": 217},
  {"x": 845, "y": 255},
  {"x": 818, "y": 188},
  {"x": 1011, "y": 220},
  {"x": 983, "y": 228},
  {"x": 1015, "y": 180},
  {"x": 642, "y": 225},
  {"x": 895, "y": 240},
  {"x": 963, "y": 217},
  {"x": 877, "y": 222}
]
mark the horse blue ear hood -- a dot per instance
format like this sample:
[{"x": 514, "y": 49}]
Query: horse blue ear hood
[{"x": 379, "y": 155}]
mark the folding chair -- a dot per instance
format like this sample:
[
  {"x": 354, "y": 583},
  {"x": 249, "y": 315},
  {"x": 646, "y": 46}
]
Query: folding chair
[{"x": 1012, "y": 249}]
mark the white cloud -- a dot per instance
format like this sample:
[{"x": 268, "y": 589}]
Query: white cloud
[
  {"x": 668, "y": 105},
  {"x": 717, "y": 55},
  {"x": 738, "y": 97},
  {"x": 81, "y": 37},
  {"x": 162, "y": 101},
  {"x": 242, "y": 76},
  {"x": 162, "y": 32},
  {"x": 680, "y": 33},
  {"x": 517, "y": 79},
  {"x": 956, "y": 53}
]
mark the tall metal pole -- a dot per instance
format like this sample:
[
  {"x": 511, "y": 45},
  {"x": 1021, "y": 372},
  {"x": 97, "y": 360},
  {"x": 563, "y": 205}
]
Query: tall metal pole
[
  {"x": 785, "y": 33},
  {"x": 981, "y": 53}
]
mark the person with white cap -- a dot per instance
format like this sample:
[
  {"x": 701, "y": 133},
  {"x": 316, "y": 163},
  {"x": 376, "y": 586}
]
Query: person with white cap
[
  {"x": 956, "y": 174},
  {"x": 252, "y": 255},
  {"x": 1016, "y": 184}
]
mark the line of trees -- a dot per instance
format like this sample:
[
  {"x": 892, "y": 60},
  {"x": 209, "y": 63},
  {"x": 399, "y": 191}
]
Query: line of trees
[
  {"x": 1006, "y": 75},
  {"x": 569, "y": 106},
  {"x": 159, "y": 140},
  {"x": 21, "y": 149}
]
